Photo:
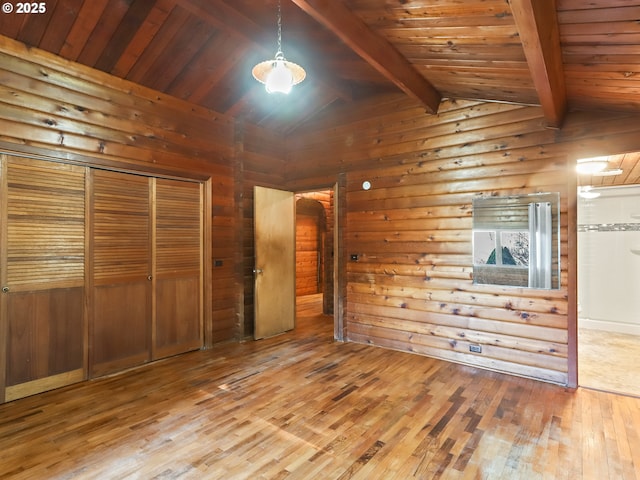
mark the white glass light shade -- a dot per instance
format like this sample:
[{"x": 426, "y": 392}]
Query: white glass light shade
[
  {"x": 589, "y": 166},
  {"x": 278, "y": 75},
  {"x": 279, "y": 79}
]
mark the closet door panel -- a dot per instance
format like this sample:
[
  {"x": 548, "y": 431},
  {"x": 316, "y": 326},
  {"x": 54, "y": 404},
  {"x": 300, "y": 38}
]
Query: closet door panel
[
  {"x": 46, "y": 338},
  {"x": 177, "y": 320},
  {"x": 178, "y": 259},
  {"x": 121, "y": 269},
  {"x": 43, "y": 275},
  {"x": 120, "y": 328}
]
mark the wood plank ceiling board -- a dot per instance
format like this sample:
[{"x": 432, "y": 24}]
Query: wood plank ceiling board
[
  {"x": 376, "y": 50},
  {"x": 466, "y": 49},
  {"x": 601, "y": 56},
  {"x": 629, "y": 163}
]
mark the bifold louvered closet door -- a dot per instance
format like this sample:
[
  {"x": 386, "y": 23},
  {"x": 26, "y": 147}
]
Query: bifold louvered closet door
[
  {"x": 177, "y": 267},
  {"x": 121, "y": 271},
  {"x": 42, "y": 272},
  {"x": 100, "y": 271}
]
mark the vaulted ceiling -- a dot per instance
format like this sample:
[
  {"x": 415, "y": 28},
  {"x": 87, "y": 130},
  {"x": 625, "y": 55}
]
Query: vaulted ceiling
[{"x": 562, "y": 54}]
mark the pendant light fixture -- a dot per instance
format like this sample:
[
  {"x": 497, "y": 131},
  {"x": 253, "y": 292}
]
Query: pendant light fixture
[{"x": 278, "y": 74}]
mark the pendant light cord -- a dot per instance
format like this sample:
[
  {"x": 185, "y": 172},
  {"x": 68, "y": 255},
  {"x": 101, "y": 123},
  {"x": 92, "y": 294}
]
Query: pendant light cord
[
  {"x": 279, "y": 53},
  {"x": 278, "y": 75}
]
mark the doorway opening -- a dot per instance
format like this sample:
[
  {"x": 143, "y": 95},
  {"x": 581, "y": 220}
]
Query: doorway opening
[
  {"x": 608, "y": 225},
  {"x": 315, "y": 214}
]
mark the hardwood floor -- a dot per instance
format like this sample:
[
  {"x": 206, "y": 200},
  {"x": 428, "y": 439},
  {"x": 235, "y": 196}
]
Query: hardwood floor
[
  {"x": 608, "y": 361},
  {"x": 301, "y": 406}
]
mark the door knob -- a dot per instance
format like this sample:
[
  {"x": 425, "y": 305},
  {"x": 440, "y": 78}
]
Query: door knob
[
  {"x": 257, "y": 271},
  {"x": 5, "y": 289}
]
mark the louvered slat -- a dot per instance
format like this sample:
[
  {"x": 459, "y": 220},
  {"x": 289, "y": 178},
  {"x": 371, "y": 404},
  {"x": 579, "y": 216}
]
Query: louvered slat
[
  {"x": 120, "y": 226},
  {"x": 178, "y": 229},
  {"x": 45, "y": 228}
]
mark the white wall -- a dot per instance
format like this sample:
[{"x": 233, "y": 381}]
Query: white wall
[{"x": 608, "y": 271}]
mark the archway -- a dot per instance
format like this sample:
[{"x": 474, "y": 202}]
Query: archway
[{"x": 314, "y": 246}]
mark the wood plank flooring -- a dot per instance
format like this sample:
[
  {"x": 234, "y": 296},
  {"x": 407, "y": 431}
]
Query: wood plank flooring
[
  {"x": 301, "y": 406},
  {"x": 608, "y": 361}
]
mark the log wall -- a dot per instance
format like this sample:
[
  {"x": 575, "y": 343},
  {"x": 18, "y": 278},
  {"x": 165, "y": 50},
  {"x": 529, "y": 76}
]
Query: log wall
[
  {"x": 307, "y": 255},
  {"x": 411, "y": 287},
  {"x": 61, "y": 110}
]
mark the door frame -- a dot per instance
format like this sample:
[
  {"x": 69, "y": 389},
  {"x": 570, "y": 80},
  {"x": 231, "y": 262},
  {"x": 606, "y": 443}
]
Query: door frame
[
  {"x": 573, "y": 182},
  {"x": 339, "y": 262}
]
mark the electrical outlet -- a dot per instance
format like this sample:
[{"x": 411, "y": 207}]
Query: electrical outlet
[{"x": 475, "y": 348}]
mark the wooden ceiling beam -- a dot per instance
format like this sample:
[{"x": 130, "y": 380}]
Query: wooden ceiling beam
[
  {"x": 537, "y": 24},
  {"x": 374, "y": 49}
]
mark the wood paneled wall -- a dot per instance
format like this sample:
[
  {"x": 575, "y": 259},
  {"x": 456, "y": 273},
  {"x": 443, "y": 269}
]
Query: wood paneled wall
[
  {"x": 411, "y": 288},
  {"x": 308, "y": 251},
  {"x": 61, "y": 110}
]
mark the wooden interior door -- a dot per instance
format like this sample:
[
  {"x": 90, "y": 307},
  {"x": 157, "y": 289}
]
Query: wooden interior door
[
  {"x": 275, "y": 284},
  {"x": 42, "y": 275},
  {"x": 177, "y": 326},
  {"x": 120, "y": 335}
]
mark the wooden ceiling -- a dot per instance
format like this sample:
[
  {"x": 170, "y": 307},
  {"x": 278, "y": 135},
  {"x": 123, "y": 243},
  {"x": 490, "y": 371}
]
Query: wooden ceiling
[
  {"x": 563, "y": 54},
  {"x": 622, "y": 169}
]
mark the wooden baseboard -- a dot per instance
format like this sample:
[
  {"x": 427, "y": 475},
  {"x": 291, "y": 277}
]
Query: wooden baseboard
[{"x": 43, "y": 384}]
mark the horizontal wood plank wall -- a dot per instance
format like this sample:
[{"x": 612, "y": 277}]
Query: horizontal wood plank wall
[
  {"x": 224, "y": 252},
  {"x": 263, "y": 163},
  {"x": 53, "y": 107},
  {"x": 411, "y": 288},
  {"x": 307, "y": 255}
]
